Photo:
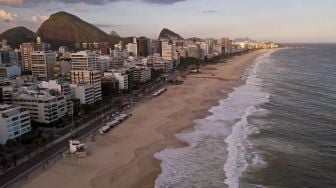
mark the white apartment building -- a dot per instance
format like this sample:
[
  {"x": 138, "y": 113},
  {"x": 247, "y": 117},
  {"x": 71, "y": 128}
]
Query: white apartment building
[
  {"x": 132, "y": 48},
  {"x": 194, "y": 51},
  {"x": 157, "y": 63},
  {"x": 14, "y": 122},
  {"x": 43, "y": 107},
  {"x": 116, "y": 63},
  {"x": 103, "y": 63},
  {"x": 62, "y": 68},
  {"x": 218, "y": 49},
  {"x": 120, "y": 76},
  {"x": 167, "y": 50},
  {"x": 84, "y": 92},
  {"x": 119, "y": 54},
  {"x": 122, "y": 80},
  {"x": 62, "y": 88},
  {"x": 205, "y": 48},
  {"x": 42, "y": 64},
  {"x": 83, "y": 60},
  {"x": 141, "y": 74},
  {"x": 88, "y": 77}
]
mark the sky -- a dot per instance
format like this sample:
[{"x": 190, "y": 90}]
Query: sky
[{"x": 279, "y": 21}]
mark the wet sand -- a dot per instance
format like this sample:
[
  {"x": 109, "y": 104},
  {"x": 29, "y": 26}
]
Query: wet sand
[{"x": 125, "y": 156}]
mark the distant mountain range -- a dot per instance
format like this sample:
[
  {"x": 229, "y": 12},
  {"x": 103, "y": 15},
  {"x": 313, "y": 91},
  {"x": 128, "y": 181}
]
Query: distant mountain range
[
  {"x": 64, "y": 29},
  {"x": 168, "y": 34},
  {"x": 61, "y": 29}
]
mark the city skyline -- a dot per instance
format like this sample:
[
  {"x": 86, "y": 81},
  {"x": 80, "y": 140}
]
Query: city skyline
[{"x": 285, "y": 21}]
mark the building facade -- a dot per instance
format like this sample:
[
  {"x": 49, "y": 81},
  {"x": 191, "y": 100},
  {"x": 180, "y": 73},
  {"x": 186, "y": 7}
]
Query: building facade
[
  {"x": 141, "y": 74},
  {"x": 143, "y": 46},
  {"x": 14, "y": 122},
  {"x": 42, "y": 106},
  {"x": 42, "y": 64},
  {"x": 9, "y": 71},
  {"x": 88, "y": 77},
  {"x": 83, "y": 60},
  {"x": 167, "y": 50},
  {"x": 26, "y": 49},
  {"x": 84, "y": 92}
]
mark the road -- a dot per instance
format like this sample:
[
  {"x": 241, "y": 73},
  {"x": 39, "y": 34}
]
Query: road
[
  {"x": 44, "y": 155},
  {"x": 22, "y": 169}
]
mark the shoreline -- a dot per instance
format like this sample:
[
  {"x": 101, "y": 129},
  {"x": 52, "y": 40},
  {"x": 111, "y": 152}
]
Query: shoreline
[{"x": 125, "y": 156}]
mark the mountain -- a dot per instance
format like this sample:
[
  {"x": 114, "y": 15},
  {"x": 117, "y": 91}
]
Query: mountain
[
  {"x": 195, "y": 39},
  {"x": 18, "y": 35},
  {"x": 113, "y": 33},
  {"x": 244, "y": 40},
  {"x": 168, "y": 34},
  {"x": 64, "y": 29}
]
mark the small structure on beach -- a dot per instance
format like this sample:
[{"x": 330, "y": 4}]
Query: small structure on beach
[
  {"x": 197, "y": 70},
  {"x": 77, "y": 148}
]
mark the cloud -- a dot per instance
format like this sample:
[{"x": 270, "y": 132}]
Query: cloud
[
  {"x": 163, "y": 2},
  {"x": 11, "y": 2},
  {"x": 39, "y": 18},
  {"x": 7, "y": 16},
  {"x": 103, "y": 25},
  {"x": 82, "y": 7},
  {"x": 28, "y": 3},
  {"x": 210, "y": 11},
  {"x": 113, "y": 25}
]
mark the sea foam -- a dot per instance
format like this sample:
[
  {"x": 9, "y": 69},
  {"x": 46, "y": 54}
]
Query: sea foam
[{"x": 216, "y": 155}]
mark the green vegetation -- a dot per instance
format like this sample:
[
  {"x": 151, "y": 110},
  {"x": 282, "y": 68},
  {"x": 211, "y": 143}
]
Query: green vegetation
[
  {"x": 176, "y": 82},
  {"x": 66, "y": 29},
  {"x": 18, "y": 35},
  {"x": 61, "y": 29}
]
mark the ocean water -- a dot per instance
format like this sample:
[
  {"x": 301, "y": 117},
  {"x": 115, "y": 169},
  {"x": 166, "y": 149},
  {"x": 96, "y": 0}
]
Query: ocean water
[{"x": 276, "y": 130}]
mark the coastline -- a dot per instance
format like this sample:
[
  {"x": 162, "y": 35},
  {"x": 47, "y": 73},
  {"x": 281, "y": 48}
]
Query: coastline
[{"x": 125, "y": 156}]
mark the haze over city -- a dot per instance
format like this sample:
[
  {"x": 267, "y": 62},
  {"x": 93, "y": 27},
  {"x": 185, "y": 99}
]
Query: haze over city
[{"x": 281, "y": 21}]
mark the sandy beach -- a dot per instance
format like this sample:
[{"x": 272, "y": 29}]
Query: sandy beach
[{"x": 125, "y": 156}]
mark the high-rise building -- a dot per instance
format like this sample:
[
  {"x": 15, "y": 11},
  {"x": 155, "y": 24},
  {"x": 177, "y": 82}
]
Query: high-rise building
[
  {"x": 155, "y": 47},
  {"x": 205, "y": 49},
  {"x": 14, "y": 122},
  {"x": 29, "y": 47},
  {"x": 227, "y": 45},
  {"x": 143, "y": 44},
  {"x": 122, "y": 80},
  {"x": 194, "y": 51},
  {"x": 132, "y": 49},
  {"x": 103, "y": 63},
  {"x": 42, "y": 64},
  {"x": 4, "y": 57},
  {"x": 83, "y": 60},
  {"x": 90, "y": 77},
  {"x": 42, "y": 46},
  {"x": 167, "y": 50},
  {"x": 26, "y": 49}
]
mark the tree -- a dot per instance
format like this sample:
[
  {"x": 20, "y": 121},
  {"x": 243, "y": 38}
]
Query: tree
[
  {"x": 4, "y": 163},
  {"x": 88, "y": 108},
  {"x": 14, "y": 159}
]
